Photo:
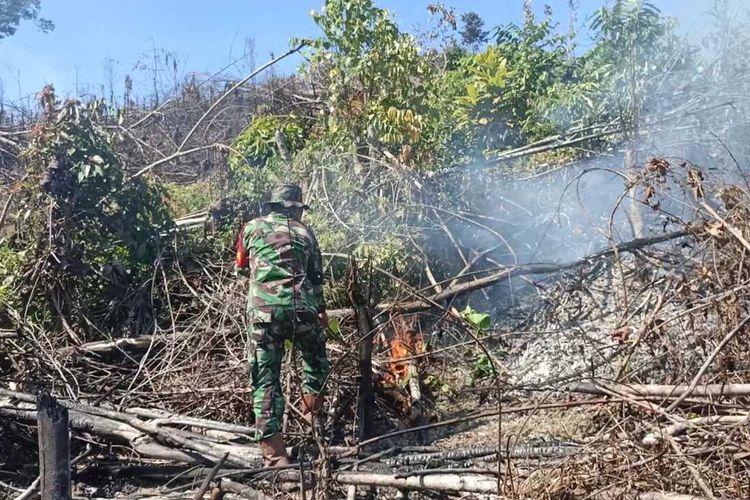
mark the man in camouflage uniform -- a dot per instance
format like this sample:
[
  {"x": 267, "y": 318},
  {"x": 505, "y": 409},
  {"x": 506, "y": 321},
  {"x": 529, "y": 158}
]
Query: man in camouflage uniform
[{"x": 285, "y": 302}]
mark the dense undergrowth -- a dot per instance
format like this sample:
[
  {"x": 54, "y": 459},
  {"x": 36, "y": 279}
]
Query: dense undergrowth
[{"x": 402, "y": 144}]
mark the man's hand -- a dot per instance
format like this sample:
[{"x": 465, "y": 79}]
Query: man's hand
[{"x": 323, "y": 318}]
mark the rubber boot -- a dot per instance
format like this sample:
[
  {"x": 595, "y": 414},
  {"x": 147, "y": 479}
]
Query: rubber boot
[{"x": 274, "y": 451}]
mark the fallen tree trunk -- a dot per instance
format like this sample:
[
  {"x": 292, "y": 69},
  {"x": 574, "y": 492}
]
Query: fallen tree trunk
[
  {"x": 190, "y": 445},
  {"x": 8, "y": 334},
  {"x": 118, "y": 432},
  {"x": 523, "y": 451},
  {"x": 470, "y": 483},
  {"x": 166, "y": 418},
  {"x": 659, "y": 390}
]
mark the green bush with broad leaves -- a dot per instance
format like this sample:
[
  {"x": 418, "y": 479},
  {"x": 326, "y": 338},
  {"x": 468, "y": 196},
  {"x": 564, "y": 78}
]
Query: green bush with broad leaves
[
  {"x": 481, "y": 368},
  {"x": 91, "y": 235}
]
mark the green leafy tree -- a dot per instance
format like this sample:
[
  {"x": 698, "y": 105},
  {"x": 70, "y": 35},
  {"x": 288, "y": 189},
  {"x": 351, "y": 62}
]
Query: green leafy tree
[
  {"x": 473, "y": 34},
  {"x": 635, "y": 53},
  {"x": 13, "y": 12},
  {"x": 503, "y": 86},
  {"x": 633, "y": 42},
  {"x": 724, "y": 75},
  {"x": 377, "y": 82},
  {"x": 636, "y": 63}
]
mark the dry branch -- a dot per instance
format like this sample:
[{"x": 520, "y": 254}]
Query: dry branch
[
  {"x": 674, "y": 429},
  {"x": 143, "y": 342},
  {"x": 529, "y": 269},
  {"x": 229, "y": 486},
  {"x": 661, "y": 390},
  {"x": 471, "y": 483},
  {"x": 137, "y": 343},
  {"x": 451, "y": 292},
  {"x": 707, "y": 363},
  {"x": 210, "y": 477},
  {"x": 551, "y": 143},
  {"x": 232, "y": 89},
  {"x": 659, "y": 495}
]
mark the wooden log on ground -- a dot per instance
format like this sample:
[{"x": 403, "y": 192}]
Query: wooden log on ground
[
  {"x": 8, "y": 334},
  {"x": 161, "y": 417},
  {"x": 660, "y": 390},
  {"x": 241, "y": 456},
  {"x": 54, "y": 449},
  {"x": 470, "y": 483},
  {"x": 241, "y": 490},
  {"x": 124, "y": 344},
  {"x": 118, "y": 432}
]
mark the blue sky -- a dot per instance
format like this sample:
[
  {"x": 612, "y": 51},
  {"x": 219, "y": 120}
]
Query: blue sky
[{"x": 206, "y": 36}]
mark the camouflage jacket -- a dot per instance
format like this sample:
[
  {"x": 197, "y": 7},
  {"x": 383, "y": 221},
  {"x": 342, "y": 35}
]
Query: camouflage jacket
[{"x": 286, "y": 268}]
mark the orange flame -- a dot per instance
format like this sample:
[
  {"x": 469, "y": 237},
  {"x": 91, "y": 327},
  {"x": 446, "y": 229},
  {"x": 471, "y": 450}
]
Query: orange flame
[{"x": 405, "y": 343}]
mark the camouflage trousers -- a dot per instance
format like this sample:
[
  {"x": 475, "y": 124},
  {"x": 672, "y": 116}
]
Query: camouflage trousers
[{"x": 266, "y": 355}]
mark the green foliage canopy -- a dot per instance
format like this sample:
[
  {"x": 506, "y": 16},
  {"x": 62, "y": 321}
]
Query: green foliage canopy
[{"x": 12, "y": 12}]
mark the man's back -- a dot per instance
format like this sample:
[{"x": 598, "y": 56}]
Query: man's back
[
  {"x": 285, "y": 266},
  {"x": 285, "y": 303}
]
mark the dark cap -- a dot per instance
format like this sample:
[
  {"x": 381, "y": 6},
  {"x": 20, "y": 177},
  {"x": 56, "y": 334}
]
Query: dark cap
[{"x": 287, "y": 195}]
